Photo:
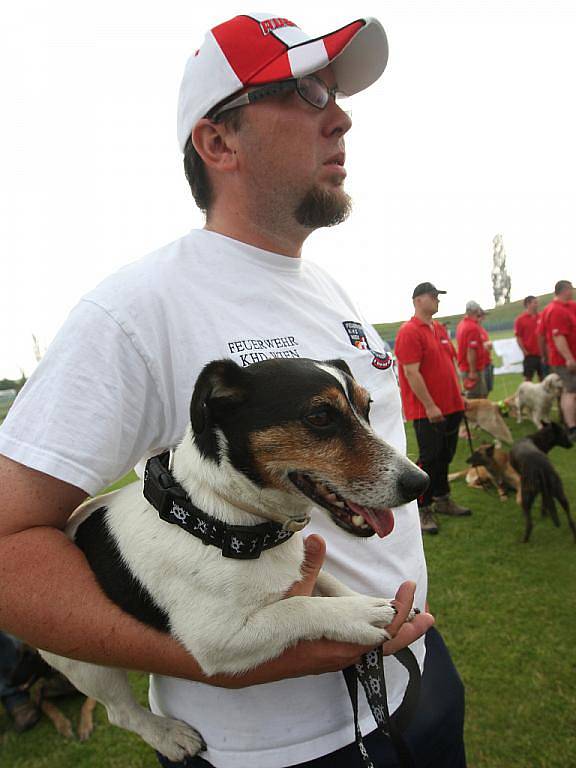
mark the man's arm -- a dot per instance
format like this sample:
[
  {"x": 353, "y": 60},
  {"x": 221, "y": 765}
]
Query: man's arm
[
  {"x": 472, "y": 357},
  {"x": 564, "y": 349},
  {"x": 542, "y": 347},
  {"x": 418, "y": 386},
  {"x": 521, "y": 345},
  {"x": 51, "y": 599}
]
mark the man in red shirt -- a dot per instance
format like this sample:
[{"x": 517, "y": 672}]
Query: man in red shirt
[
  {"x": 472, "y": 357},
  {"x": 560, "y": 329},
  {"x": 431, "y": 399},
  {"x": 525, "y": 330},
  {"x": 485, "y": 363}
]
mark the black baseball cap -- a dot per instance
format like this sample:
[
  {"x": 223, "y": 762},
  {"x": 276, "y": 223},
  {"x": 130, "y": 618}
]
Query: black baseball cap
[{"x": 422, "y": 288}]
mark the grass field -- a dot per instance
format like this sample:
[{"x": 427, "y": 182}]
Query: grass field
[{"x": 506, "y": 611}]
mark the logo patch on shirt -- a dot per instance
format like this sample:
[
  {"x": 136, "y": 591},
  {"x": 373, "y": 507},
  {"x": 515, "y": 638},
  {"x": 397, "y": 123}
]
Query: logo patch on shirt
[
  {"x": 358, "y": 339},
  {"x": 382, "y": 360},
  {"x": 356, "y": 334}
]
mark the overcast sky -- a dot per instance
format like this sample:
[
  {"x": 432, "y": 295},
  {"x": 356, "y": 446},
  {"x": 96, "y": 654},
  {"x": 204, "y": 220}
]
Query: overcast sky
[{"x": 470, "y": 132}]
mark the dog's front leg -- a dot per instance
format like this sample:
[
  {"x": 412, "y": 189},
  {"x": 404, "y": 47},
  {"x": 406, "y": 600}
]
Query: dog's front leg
[
  {"x": 329, "y": 586},
  {"x": 266, "y": 633}
]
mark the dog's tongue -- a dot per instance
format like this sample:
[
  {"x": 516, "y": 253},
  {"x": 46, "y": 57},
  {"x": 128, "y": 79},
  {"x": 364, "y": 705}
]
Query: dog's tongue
[{"x": 381, "y": 520}]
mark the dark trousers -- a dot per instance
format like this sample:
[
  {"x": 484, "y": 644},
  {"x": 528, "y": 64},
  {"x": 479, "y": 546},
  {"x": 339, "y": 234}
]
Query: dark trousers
[
  {"x": 435, "y": 736},
  {"x": 437, "y": 445}
]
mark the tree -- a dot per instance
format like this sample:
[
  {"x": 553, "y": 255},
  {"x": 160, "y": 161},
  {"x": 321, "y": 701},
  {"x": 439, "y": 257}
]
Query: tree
[{"x": 501, "y": 281}]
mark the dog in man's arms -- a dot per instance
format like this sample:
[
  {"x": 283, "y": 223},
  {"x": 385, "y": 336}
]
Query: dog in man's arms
[{"x": 266, "y": 445}]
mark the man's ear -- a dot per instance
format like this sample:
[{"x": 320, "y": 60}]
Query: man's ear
[
  {"x": 220, "y": 385},
  {"x": 216, "y": 145}
]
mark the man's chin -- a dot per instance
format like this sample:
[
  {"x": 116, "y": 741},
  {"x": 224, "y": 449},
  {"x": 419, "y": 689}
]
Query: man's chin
[{"x": 323, "y": 207}]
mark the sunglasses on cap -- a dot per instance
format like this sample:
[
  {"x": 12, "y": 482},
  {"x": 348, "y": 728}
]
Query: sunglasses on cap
[{"x": 313, "y": 90}]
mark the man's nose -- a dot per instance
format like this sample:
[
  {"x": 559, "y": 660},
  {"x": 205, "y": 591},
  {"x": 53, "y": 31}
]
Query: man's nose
[{"x": 337, "y": 121}]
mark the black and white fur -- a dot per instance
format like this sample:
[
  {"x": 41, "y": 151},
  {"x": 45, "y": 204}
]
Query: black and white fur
[
  {"x": 270, "y": 441},
  {"x": 528, "y": 456}
]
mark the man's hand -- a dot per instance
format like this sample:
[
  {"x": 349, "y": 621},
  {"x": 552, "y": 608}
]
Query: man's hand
[
  {"x": 434, "y": 414},
  {"x": 314, "y": 657},
  {"x": 329, "y": 655}
]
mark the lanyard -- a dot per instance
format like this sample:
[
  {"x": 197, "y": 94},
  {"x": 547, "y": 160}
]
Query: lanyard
[{"x": 370, "y": 672}]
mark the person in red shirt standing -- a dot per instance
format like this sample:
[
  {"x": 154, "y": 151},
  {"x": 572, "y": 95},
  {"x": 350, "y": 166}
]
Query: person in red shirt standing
[
  {"x": 526, "y": 332},
  {"x": 471, "y": 353},
  {"x": 485, "y": 363},
  {"x": 431, "y": 399},
  {"x": 560, "y": 328}
]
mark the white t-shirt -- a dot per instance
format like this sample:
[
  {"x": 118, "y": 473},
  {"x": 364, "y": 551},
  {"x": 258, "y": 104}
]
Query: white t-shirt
[{"x": 115, "y": 387}]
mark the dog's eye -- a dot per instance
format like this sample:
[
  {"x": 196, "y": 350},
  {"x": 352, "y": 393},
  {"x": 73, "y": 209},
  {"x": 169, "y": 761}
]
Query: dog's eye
[{"x": 320, "y": 418}]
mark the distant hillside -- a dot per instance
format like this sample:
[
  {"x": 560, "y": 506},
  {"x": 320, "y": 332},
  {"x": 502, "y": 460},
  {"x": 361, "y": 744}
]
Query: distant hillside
[{"x": 498, "y": 318}]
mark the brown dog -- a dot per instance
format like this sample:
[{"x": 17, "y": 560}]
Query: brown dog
[
  {"x": 485, "y": 414},
  {"x": 491, "y": 467}
]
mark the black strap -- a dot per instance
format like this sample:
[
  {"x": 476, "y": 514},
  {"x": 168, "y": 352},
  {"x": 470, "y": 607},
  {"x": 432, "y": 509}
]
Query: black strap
[
  {"x": 468, "y": 433},
  {"x": 370, "y": 672},
  {"x": 242, "y": 542}
]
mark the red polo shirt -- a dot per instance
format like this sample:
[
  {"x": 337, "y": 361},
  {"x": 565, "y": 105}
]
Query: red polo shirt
[
  {"x": 525, "y": 329},
  {"x": 485, "y": 355},
  {"x": 429, "y": 345},
  {"x": 468, "y": 334},
  {"x": 560, "y": 320}
]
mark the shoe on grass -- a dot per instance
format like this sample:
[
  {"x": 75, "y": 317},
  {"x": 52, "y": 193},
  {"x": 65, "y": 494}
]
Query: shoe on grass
[
  {"x": 24, "y": 716},
  {"x": 428, "y": 522},
  {"x": 445, "y": 505}
]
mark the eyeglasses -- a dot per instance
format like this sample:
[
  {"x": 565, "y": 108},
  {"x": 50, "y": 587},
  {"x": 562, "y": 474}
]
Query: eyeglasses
[{"x": 313, "y": 90}]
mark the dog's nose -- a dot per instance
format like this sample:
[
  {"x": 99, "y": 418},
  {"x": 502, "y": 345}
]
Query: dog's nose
[{"x": 413, "y": 482}]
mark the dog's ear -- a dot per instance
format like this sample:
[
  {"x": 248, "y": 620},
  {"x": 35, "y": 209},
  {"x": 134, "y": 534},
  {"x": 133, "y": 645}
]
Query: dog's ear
[
  {"x": 341, "y": 365},
  {"x": 221, "y": 383}
]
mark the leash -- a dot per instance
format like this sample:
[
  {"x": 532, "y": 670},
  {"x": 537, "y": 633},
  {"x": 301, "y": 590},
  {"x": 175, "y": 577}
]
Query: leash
[{"x": 370, "y": 672}]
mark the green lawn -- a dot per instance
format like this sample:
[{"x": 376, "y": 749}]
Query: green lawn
[{"x": 506, "y": 611}]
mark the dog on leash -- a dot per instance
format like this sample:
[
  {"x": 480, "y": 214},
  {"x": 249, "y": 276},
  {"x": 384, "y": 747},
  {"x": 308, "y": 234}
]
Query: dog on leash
[
  {"x": 490, "y": 468},
  {"x": 529, "y": 457},
  {"x": 536, "y": 399},
  {"x": 266, "y": 445},
  {"x": 485, "y": 414}
]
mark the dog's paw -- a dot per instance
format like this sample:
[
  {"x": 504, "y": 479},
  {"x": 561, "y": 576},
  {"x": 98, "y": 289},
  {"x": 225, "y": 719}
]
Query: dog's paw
[
  {"x": 363, "y": 620},
  {"x": 174, "y": 739}
]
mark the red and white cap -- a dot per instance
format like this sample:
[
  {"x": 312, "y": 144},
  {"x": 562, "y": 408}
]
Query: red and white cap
[{"x": 258, "y": 48}]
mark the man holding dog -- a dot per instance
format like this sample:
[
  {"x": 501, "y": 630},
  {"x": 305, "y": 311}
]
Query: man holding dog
[
  {"x": 526, "y": 332},
  {"x": 432, "y": 401},
  {"x": 263, "y": 142},
  {"x": 559, "y": 325}
]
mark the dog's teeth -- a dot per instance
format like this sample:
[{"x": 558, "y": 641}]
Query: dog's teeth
[{"x": 358, "y": 520}]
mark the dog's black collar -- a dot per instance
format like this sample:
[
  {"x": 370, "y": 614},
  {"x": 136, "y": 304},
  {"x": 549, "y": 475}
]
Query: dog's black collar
[{"x": 243, "y": 542}]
